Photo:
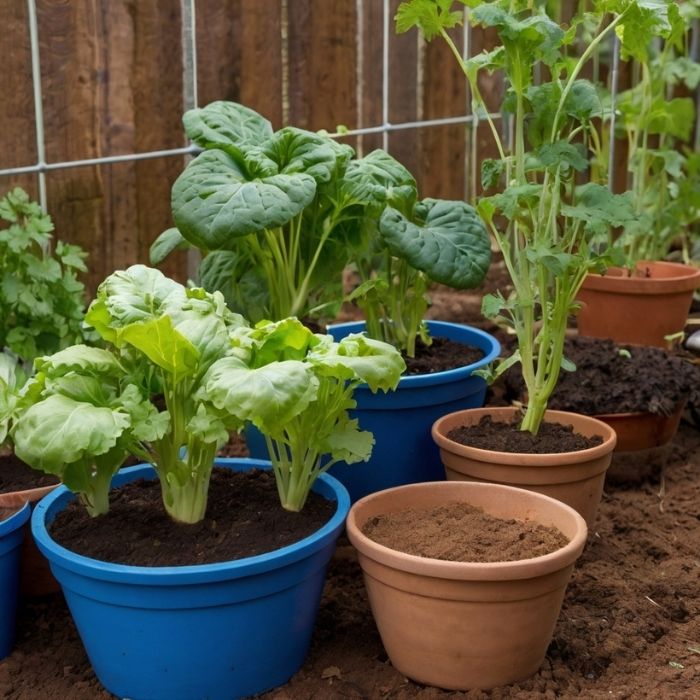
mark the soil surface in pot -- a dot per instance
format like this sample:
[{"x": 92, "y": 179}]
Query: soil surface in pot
[
  {"x": 15, "y": 475},
  {"x": 244, "y": 518},
  {"x": 441, "y": 355},
  {"x": 462, "y": 532},
  {"x": 498, "y": 436},
  {"x": 611, "y": 378}
]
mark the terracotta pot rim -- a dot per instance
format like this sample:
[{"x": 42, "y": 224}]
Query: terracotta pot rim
[
  {"x": 519, "y": 458},
  {"x": 467, "y": 571},
  {"x": 687, "y": 279},
  {"x": 28, "y": 495}
]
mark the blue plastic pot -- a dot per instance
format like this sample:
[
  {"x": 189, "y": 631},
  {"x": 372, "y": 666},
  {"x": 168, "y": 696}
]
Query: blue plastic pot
[
  {"x": 11, "y": 536},
  {"x": 404, "y": 452},
  {"x": 214, "y": 631}
]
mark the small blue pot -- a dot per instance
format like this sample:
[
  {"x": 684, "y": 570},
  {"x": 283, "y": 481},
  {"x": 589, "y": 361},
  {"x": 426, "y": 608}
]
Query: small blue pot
[
  {"x": 213, "y": 631},
  {"x": 404, "y": 452},
  {"x": 11, "y": 536}
]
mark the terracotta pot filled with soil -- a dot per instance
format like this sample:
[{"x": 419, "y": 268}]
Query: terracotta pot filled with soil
[
  {"x": 20, "y": 484},
  {"x": 243, "y": 584},
  {"x": 465, "y": 580},
  {"x": 639, "y": 391},
  {"x": 642, "y": 307},
  {"x": 567, "y": 460}
]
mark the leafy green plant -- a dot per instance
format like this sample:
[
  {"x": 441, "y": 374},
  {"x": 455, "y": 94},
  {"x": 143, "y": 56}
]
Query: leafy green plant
[
  {"x": 179, "y": 370},
  {"x": 267, "y": 210},
  {"x": 542, "y": 219},
  {"x": 657, "y": 125},
  {"x": 41, "y": 298},
  {"x": 407, "y": 244}
]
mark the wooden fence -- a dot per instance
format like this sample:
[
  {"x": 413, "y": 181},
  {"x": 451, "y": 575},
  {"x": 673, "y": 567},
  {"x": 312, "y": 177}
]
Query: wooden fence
[{"x": 112, "y": 83}]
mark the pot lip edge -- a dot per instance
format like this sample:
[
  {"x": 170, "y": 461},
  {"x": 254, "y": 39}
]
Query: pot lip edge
[
  {"x": 470, "y": 571},
  {"x": 15, "y": 521},
  {"x": 511, "y": 458},
  {"x": 192, "y": 574}
]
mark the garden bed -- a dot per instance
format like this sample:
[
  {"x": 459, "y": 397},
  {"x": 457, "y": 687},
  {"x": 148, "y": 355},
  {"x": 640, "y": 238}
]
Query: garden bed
[{"x": 630, "y": 625}]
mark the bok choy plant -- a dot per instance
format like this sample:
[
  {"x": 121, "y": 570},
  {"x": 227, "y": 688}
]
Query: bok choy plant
[
  {"x": 542, "y": 218},
  {"x": 179, "y": 370}
]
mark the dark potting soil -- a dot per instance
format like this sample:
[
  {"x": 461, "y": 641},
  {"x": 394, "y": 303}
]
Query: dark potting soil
[
  {"x": 441, "y": 355},
  {"x": 611, "y": 378},
  {"x": 244, "y": 518},
  {"x": 498, "y": 436},
  {"x": 15, "y": 475},
  {"x": 462, "y": 532}
]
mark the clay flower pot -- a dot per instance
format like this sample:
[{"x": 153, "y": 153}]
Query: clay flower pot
[
  {"x": 642, "y": 309},
  {"x": 575, "y": 478},
  {"x": 642, "y": 431},
  {"x": 463, "y": 625},
  {"x": 35, "y": 578}
]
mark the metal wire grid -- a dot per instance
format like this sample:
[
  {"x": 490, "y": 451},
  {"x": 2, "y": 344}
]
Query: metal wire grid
[{"x": 189, "y": 39}]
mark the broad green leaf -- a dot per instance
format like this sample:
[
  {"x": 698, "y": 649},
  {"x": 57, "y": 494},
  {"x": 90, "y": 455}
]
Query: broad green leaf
[
  {"x": 430, "y": 16},
  {"x": 82, "y": 388},
  {"x": 291, "y": 150},
  {"x": 78, "y": 358},
  {"x": 358, "y": 357},
  {"x": 288, "y": 339},
  {"x": 446, "y": 239},
  {"x": 562, "y": 154},
  {"x": 226, "y": 125},
  {"x": 213, "y": 200},
  {"x": 58, "y": 431},
  {"x": 207, "y": 427},
  {"x": 168, "y": 241},
  {"x": 269, "y": 396},
  {"x": 348, "y": 443},
  {"x": 163, "y": 345}
]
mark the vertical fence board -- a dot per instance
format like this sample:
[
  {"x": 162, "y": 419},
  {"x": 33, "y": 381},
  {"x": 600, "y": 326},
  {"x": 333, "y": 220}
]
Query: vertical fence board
[
  {"x": 444, "y": 148},
  {"x": 17, "y": 135},
  {"x": 322, "y": 59},
  {"x": 370, "y": 113},
  {"x": 72, "y": 79}
]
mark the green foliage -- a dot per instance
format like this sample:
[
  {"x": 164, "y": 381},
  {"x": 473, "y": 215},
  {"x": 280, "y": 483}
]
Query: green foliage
[
  {"x": 551, "y": 231},
  {"x": 41, "y": 298},
  {"x": 179, "y": 370}
]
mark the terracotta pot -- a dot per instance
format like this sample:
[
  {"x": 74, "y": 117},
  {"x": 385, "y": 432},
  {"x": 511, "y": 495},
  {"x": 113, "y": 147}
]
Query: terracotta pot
[
  {"x": 642, "y": 309},
  {"x": 462, "y": 625},
  {"x": 35, "y": 578},
  {"x": 575, "y": 478},
  {"x": 642, "y": 431}
]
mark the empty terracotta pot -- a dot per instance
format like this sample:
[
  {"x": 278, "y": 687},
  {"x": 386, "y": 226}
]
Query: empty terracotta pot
[
  {"x": 641, "y": 309},
  {"x": 35, "y": 577},
  {"x": 463, "y": 625},
  {"x": 575, "y": 478}
]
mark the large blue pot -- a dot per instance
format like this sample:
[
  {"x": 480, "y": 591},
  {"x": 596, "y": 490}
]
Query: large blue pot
[
  {"x": 404, "y": 452},
  {"x": 11, "y": 536},
  {"x": 214, "y": 631}
]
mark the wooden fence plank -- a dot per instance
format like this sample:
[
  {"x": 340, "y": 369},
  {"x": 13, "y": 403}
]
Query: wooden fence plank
[
  {"x": 17, "y": 135},
  {"x": 322, "y": 61}
]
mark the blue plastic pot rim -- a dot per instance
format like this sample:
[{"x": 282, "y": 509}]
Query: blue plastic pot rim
[
  {"x": 16, "y": 520},
  {"x": 449, "y": 375},
  {"x": 178, "y": 575}
]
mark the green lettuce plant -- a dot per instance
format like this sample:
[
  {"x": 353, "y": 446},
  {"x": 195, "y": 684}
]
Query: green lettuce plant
[
  {"x": 542, "y": 218},
  {"x": 178, "y": 371},
  {"x": 41, "y": 299}
]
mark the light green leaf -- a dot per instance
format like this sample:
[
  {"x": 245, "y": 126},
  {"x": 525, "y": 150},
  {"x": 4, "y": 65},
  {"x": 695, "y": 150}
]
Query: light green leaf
[
  {"x": 348, "y": 443},
  {"x": 269, "y": 396},
  {"x": 207, "y": 427},
  {"x": 78, "y": 358},
  {"x": 58, "y": 431}
]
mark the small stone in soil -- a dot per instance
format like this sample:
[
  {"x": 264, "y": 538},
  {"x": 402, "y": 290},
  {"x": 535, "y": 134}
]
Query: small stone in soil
[
  {"x": 458, "y": 531},
  {"x": 499, "y": 436}
]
